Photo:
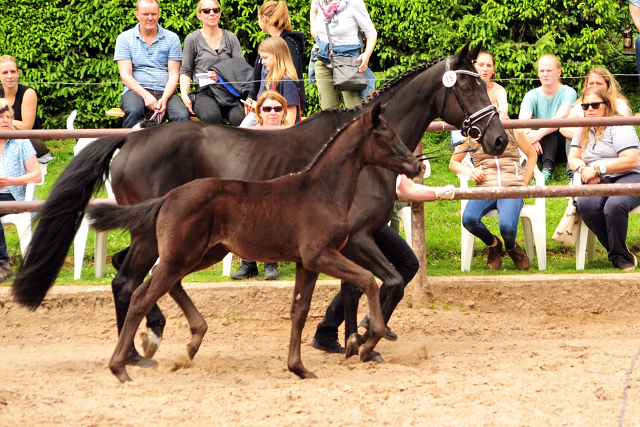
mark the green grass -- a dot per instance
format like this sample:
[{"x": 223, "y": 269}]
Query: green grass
[{"x": 442, "y": 234}]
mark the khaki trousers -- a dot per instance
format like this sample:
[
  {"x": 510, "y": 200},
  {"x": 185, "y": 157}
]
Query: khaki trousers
[{"x": 329, "y": 96}]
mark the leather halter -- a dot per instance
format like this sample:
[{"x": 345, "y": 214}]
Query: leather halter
[{"x": 468, "y": 128}]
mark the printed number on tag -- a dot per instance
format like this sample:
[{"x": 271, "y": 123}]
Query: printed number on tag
[{"x": 449, "y": 78}]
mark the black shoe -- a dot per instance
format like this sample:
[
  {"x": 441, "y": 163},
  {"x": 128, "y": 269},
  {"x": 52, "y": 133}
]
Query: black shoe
[
  {"x": 329, "y": 346},
  {"x": 6, "y": 273},
  {"x": 390, "y": 335},
  {"x": 246, "y": 270},
  {"x": 271, "y": 271}
]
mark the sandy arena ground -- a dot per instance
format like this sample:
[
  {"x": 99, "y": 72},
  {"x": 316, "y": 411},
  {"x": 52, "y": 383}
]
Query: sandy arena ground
[{"x": 451, "y": 366}]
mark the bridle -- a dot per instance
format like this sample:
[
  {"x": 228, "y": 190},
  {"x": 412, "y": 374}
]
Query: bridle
[{"x": 468, "y": 128}]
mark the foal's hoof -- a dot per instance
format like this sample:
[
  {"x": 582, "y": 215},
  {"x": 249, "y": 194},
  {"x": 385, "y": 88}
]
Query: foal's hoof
[
  {"x": 150, "y": 344},
  {"x": 191, "y": 352},
  {"x": 353, "y": 345},
  {"x": 303, "y": 373},
  {"x": 121, "y": 374},
  {"x": 373, "y": 357},
  {"x": 139, "y": 361}
]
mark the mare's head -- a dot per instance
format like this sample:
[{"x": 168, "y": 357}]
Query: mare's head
[
  {"x": 384, "y": 147},
  {"x": 465, "y": 104}
]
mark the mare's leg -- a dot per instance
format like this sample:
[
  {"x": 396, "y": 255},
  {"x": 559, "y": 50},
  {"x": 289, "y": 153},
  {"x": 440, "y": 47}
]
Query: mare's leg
[
  {"x": 141, "y": 256},
  {"x": 335, "y": 264},
  {"x": 302, "y": 292},
  {"x": 118, "y": 258},
  {"x": 197, "y": 324}
]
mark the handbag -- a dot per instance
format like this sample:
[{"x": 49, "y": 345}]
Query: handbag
[
  {"x": 567, "y": 231},
  {"x": 345, "y": 70}
]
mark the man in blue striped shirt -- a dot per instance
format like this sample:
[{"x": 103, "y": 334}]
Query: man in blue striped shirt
[{"x": 149, "y": 59}]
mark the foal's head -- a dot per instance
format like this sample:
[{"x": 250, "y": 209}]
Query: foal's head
[{"x": 385, "y": 149}]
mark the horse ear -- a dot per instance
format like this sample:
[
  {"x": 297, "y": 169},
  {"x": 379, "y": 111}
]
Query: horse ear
[
  {"x": 376, "y": 111},
  {"x": 384, "y": 107},
  {"x": 461, "y": 55},
  {"x": 473, "y": 55}
]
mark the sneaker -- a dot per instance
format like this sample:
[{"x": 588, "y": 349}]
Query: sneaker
[
  {"x": 6, "y": 272},
  {"x": 271, "y": 271},
  {"x": 389, "y": 335},
  {"x": 520, "y": 259},
  {"x": 329, "y": 346},
  {"x": 547, "y": 176},
  {"x": 495, "y": 254},
  {"x": 246, "y": 270}
]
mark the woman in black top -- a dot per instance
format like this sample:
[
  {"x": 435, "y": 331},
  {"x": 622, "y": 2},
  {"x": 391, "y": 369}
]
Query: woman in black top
[{"x": 23, "y": 100}]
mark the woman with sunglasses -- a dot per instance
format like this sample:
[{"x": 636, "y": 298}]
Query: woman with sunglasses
[
  {"x": 604, "y": 155},
  {"x": 271, "y": 107},
  {"x": 203, "y": 49},
  {"x": 497, "y": 171},
  {"x": 598, "y": 77}
]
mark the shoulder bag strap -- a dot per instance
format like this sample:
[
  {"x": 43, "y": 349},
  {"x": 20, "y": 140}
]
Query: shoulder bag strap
[{"x": 331, "y": 53}]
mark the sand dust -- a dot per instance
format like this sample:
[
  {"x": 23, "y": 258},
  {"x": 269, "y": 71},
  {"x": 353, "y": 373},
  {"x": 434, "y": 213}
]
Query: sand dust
[{"x": 448, "y": 368}]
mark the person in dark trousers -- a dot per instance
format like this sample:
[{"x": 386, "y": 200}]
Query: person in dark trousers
[{"x": 398, "y": 253}]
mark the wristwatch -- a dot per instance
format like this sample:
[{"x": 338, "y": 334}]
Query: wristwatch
[{"x": 600, "y": 170}]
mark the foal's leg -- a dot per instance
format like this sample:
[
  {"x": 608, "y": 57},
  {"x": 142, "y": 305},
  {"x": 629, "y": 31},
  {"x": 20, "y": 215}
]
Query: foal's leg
[
  {"x": 363, "y": 250},
  {"x": 141, "y": 256},
  {"x": 197, "y": 324},
  {"x": 335, "y": 264},
  {"x": 302, "y": 292},
  {"x": 141, "y": 302}
]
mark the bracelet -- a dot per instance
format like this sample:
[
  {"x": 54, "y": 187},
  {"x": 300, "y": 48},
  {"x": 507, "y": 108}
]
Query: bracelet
[{"x": 578, "y": 169}]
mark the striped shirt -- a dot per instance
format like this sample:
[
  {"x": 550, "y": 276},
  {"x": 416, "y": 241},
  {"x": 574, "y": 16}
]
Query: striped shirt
[
  {"x": 150, "y": 62},
  {"x": 15, "y": 153}
]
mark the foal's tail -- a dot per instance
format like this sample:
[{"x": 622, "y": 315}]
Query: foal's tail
[
  {"x": 60, "y": 218},
  {"x": 136, "y": 217}
]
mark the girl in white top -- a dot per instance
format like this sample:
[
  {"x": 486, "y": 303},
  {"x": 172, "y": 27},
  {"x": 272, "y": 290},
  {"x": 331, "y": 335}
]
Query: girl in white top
[{"x": 598, "y": 77}]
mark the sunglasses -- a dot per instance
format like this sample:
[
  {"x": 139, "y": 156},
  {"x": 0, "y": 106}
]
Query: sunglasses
[
  {"x": 207, "y": 11},
  {"x": 593, "y": 105},
  {"x": 277, "y": 109}
]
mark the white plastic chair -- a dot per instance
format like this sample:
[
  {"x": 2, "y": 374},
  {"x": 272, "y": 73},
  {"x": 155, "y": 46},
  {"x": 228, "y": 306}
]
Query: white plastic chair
[
  {"x": 405, "y": 213},
  {"x": 586, "y": 240},
  {"x": 80, "y": 241},
  {"x": 534, "y": 223},
  {"x": 22, "y": 221}
]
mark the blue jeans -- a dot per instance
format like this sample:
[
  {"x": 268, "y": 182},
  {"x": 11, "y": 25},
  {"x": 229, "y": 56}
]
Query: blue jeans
[
  {"x": 134, "y": 109},
  {"x": 509, "y": 211},
  {"x": 4, "y": 255},
  {"x": 608, "y": 218}
]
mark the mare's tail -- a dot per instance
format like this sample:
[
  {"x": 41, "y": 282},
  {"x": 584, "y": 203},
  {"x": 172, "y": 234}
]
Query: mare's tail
[
  {"x": 136, "y": 217},
  {"x": 60, "y": 218}
]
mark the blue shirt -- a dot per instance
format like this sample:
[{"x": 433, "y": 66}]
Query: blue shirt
[
  {"x": 545, "y": 108},
  {"x": 287, "y": 88},
  {"x": 15, "y": 153},
  {"x": 150, "y": 62}
]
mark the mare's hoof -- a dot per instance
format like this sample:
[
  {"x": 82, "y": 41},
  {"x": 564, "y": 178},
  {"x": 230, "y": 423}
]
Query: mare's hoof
[
  {"x": 140, "y": 361},
  {"x": 150, "y": 344},
  {"x": 353, "y": 345},
  {"x": 373, "y": 357}
]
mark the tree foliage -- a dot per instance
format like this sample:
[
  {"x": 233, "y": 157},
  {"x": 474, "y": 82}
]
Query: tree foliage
[{"x": 72, "y": 41}]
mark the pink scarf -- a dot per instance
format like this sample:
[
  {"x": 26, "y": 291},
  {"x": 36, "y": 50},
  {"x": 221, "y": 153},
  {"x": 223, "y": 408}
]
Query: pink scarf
[{"x": 331, "y": 7}]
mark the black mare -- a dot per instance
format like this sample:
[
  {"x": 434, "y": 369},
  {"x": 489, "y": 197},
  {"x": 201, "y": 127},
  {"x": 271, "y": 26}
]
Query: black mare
[{"x": 154, "y": 161}]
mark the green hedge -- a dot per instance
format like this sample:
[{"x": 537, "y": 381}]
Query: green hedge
[{"x": 73, "y": 41}]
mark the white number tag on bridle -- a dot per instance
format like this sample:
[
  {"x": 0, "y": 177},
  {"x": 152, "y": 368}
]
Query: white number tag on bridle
[{"x": 449, "y": 78}]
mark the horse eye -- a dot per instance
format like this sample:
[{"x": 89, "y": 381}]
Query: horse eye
[{"x": 466, "y": 89}]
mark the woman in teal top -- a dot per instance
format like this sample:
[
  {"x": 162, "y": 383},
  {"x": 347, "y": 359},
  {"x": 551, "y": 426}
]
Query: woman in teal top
[{"x": 551, "y": 100}]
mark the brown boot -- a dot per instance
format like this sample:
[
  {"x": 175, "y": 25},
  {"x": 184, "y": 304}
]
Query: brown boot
[
  {"x": 494, "y": 257},
  {"x": 520, "y": 259}
]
